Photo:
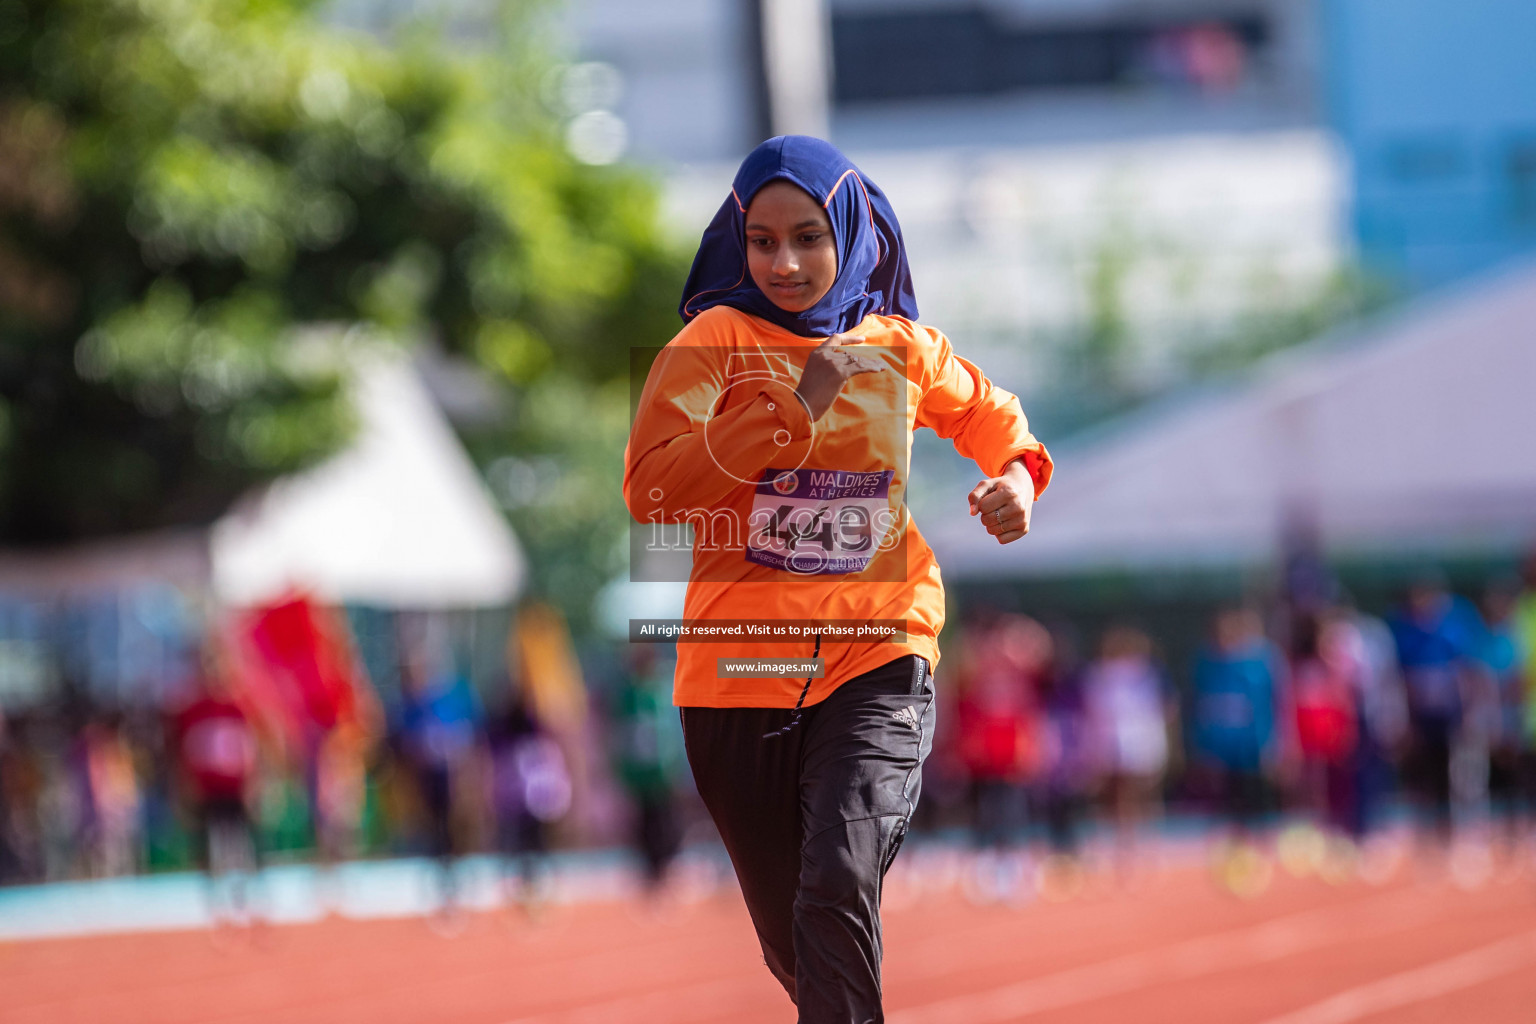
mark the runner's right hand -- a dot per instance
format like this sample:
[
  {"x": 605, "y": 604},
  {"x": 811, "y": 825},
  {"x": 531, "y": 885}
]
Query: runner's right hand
[{"x": 829, "y": 367}]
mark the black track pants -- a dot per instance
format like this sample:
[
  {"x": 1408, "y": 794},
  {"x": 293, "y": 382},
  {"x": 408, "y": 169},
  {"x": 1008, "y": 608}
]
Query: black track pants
[{"x": 812, "y": 819}]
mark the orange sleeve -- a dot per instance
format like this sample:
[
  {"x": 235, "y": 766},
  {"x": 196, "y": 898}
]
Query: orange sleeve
[
  {"x": 986, "y": 423},
  {"x": 679, "y": 457}
]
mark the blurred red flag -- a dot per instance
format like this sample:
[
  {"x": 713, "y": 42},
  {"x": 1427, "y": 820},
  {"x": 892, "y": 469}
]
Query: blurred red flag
[{"x": 299, "y": 667}]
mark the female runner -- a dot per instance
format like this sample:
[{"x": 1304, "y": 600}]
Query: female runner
[{"x": 778, "y": 423}]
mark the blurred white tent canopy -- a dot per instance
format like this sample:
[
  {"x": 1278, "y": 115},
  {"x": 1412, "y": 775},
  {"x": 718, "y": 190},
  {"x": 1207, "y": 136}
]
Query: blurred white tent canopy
[
  {"x": 1415, "y": 437},
  {"x": 399, "y": 519}
]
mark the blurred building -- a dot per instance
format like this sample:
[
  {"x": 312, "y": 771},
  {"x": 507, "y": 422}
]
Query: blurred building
[
  {"x": 1175, "y": 169},
  {"x": 683, "y": 77},
  {"x": 1224, "y": 156},
  {"x": 700, "y": 77},
  {"x": 1016, "y": 72},
  {"x": 1055, "y": 162},
  {"x": 1028, "y": 145},
  {"x": 1054, "y": 159},
  {"x": 1436, "y": 102}
]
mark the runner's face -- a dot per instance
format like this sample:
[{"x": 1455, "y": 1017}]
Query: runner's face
[{"x": 791, "y": 253}]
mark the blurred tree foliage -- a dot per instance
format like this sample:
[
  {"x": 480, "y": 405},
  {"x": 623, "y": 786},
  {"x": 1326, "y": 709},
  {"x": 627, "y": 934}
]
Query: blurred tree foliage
[
  {"x": 1347, "y": 295},
  {"x": 187, "y": 187},
  {"x": 1102, "y": 362},
  {"x": 561, "y": 487}
]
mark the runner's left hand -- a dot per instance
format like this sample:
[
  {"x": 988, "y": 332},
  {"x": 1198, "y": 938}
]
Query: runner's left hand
[{"x": 1005, "y": 502}]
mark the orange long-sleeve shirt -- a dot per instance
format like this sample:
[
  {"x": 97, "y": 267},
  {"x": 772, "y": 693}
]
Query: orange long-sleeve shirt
[{"x": 721, "y": 441}]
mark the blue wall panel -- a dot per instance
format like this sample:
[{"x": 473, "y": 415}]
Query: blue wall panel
[{"x": 1435, "y": 100}]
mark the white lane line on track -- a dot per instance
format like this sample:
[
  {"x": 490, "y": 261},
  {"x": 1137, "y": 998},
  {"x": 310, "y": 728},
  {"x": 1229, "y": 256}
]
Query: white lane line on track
[
  {"x": 1207, "y": 954},
  {"x": 1421, "y": 983}
]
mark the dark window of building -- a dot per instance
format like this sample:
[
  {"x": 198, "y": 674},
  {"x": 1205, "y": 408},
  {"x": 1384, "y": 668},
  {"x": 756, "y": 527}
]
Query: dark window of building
[
  {"x": 896, "y": 55},
  {"x": 1520, "y": 175},
  {"x": 1425, "y": 160}
]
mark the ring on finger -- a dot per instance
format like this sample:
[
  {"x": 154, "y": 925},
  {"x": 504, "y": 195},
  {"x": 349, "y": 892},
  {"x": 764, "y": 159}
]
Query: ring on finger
[{"x": 997, "y": 514}]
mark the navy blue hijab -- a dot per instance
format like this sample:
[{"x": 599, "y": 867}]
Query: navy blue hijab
[{"x": 872, "y": 274}]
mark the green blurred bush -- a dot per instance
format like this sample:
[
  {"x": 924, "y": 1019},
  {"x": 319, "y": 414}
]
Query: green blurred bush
[{"x": 189, "y": 187}]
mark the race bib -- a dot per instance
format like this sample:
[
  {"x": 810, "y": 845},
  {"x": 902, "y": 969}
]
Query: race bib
[{"x": 819, "y": 521}]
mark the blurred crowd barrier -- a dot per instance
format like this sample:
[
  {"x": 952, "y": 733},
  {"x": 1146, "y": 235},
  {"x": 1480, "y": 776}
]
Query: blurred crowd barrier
[
  {"x": 132, "y": 741},
  {"x": 1300, "y": 733},
  {"x": 1306, "y": 733}
]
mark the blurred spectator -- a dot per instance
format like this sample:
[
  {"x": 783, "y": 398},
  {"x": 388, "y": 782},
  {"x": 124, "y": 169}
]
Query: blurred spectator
[
  {"x": 1062, "y": 789},
  {"x": 1325, "y": 695},
  {"x": 8, "y": 858},
  {"x": 531, "y": 790},
  {"x": 1126, "y": 710},
  {"x": 1001, "y": 729},
  {"x": 436, "y": 732},
  {"x": 1383, "y": 720},
  {"x": 1436, "y": 636},
  {"x": 1236, "y": 723},
  {"x": 112, "y": 786},
  {"x": 1523, "y": 628},
  {"x": 216, "y": 754},
  {"x": 340, "y": 791},
  {"x": 21, "y": 786},
  {"x": 648, "y": 750},
  {"x": 63, "y": 801},
  {"x": 1500, "y": 662}
]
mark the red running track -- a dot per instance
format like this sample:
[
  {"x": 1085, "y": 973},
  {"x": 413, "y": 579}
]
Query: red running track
[{"x": 1175, "y": 950}]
